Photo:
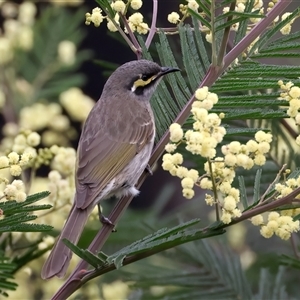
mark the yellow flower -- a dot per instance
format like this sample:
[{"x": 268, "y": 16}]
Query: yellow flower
[
  {"x": 176, "y": 132},
  {"x": 272, "y": 225},
  {"x": 96, "y": 17},
  {"x": 252, "y": 146},
  {"x": 283, "y": 233},
  {"x": 119, "y": 6},
  {"x": 170, "y": 148},
  {"x": 209, "y": 200},
  {"x": 230, "y": 159},
  {"x": 66, "y": 52},
  {"x": 136, "y": 19},
  {"x": 266, "y": 232},
  {"x": 229, "y": 203},
  {"x": 192, "y": 4},
  {"x": 260, "y": 159},
  {"x": 20, "y": 196},
  {"x": 234, "y": 147},
  {"x": 167, "y": 165},
  {"x": 111, "y": 26},
  {"x": 15, "y": 170},
  {"x": 27, "y": 11},
  {"x": 33, "y": 139},
  {"x": 212, "y": 97},
  {"x": 188, "y": 193},
  {"x": 136, "y": 4},
  {"x": 177, "y": 159},
  {"x": 261, "y": 136},
  {"x": 13, "y": 157},
  {"x": 4, "y": 162},
  {"x": 273, "y": 216},
  {"x": 187, "y": 183},
  {"x": 182, "y": 172},
  {"x": 226, "y": 217},
  {"x": 257, "y": 220},
  {"x": 173, "y": 17},
  {"x": 193, "y": 174},
  {"x": 142, "y": 28},
  {"x": 295, "y": 92},
  {"x": 201, "y": 93},
  {"x": 205, "y": 183}
]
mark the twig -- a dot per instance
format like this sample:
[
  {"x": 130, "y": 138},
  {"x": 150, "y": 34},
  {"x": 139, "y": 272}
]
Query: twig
[
  {"x": 267, "y": 207},
  {"x": 134, "y": 41},
  {"x": 213, "y": 37},
  {"x": 214, "y": 190},
  {"x": 271, "y": 185},
  {"x": 153, "y": 24},
  {"x": 225, "y": 38},
  {"x": 256, "y": 31}
]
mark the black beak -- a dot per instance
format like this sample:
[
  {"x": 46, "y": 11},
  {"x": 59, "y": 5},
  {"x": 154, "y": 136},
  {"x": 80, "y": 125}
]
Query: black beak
[{"x": 166, "y": 70}]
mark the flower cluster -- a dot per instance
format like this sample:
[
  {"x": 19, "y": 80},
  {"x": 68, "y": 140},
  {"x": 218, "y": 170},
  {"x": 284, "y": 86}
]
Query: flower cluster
[
  {"x": 250, "y": 154},
  {"x": 172, "y": 163},
  {"x": 174, "y": 17},
  {"x": 281, "y": 225},
  {"x": 60, "y": 188},
  {"x": 285, "y": 30},
  {"x": 222, "y": 170},
  {"x": 50, "y": 119},
  {"x": 15, "y": 191},
  {"x": 202, "y": 140},
  {"x": 135, "y": 21},
  {"x": 64, "y": 160},
  {"x": 223, "y": 177},
  {"x": 95, "y": 17},
  {"x": 77, "y": 104},
  {"x": 66, "y": 52},
  {"x": 291, "y": 94},
  {"x": 22, "y": 153},
  {"x": 17, "y": 29}
]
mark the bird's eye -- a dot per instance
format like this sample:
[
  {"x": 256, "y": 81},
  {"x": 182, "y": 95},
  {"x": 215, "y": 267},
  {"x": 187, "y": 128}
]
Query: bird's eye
[{"x": 144, "y": 77}]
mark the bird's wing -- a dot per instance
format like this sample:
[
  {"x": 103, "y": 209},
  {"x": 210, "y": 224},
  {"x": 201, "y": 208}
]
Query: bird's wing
[{"x": 107, "y": 145}]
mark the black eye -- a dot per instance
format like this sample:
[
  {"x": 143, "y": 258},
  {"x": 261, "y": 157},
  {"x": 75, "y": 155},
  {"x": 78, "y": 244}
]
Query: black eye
[{"x": 145, "y": 77}]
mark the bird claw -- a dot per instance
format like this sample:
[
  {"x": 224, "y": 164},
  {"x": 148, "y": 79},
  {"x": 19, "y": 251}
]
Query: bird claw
[
  {"x": 104, "y": 220},
  {"x": 148, "y": 169}
]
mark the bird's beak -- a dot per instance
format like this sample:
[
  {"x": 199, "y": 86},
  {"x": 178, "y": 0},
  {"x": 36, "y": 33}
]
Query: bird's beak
[{"x": 166, "y": 70}]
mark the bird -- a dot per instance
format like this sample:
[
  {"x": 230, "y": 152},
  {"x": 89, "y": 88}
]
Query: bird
[{"x": 113, "y": 151}]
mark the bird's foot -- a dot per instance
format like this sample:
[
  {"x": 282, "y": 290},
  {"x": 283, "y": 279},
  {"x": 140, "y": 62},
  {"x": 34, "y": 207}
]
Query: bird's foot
[
  {"x": 104, "y": 220},
  {"x": 148, "y": 169}
]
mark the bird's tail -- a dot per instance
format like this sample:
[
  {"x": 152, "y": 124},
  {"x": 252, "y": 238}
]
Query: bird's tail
[{"x": 58, "y": 261}]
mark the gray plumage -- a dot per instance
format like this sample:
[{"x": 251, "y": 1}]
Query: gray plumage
[{"x": 113, "y": 151}]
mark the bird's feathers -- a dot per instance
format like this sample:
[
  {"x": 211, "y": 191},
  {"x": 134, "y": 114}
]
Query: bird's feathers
[{"x": 108, "y": 146}]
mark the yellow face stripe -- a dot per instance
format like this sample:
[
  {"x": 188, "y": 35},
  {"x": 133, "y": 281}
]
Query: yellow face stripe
[{"x": 141, "y": 83}]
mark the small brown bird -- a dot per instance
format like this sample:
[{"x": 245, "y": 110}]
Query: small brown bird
[{"x": 113, "y": 151}]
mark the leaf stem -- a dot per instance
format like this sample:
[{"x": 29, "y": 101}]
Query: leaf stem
[
  {"x": 153, "y": 24},
  {"x": 225, "y": 38},
  {"x": 214, "y": 189},
  {"x": 135, "y": 43}
]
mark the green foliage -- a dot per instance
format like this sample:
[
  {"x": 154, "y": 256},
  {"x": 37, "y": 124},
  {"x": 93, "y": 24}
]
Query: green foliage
[
  {"x": 15, "y": 215},
  {"x": 48, "y": 77},
  {"x": 6, "y": 271},
  {"x": 154, "y": 243},
  {"x": 214, "y": 272}
]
